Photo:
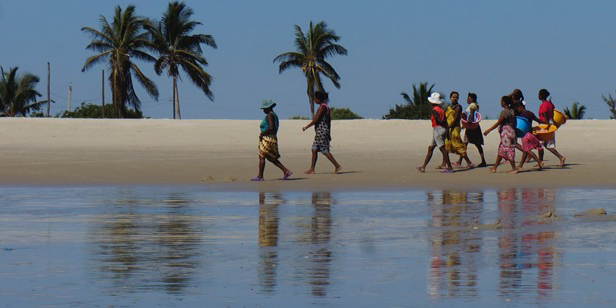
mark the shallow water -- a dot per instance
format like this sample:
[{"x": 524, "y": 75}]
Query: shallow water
[{"x": 170, "y": 246}]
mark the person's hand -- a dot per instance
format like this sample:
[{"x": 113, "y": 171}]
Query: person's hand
[
  {"x": 486, "y": 132},
  {"x": 304, "y": 128}
]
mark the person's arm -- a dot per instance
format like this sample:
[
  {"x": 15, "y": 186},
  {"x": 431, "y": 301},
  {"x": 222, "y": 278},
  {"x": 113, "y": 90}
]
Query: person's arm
[
  {"x": 270, "y": 125},
  {"x": 548, "y": 119},
  {"x": 320, "y": 113},
  {"x": 456, "y": 118},
  {"x": 537, "y": 119},
  {"x": 437, "y": 119},
  {"x": 500, "y": 120}
]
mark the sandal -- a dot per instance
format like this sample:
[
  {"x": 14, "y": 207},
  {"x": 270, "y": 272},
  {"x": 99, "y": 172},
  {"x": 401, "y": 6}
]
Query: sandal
[
  {"x": 287, "y": 175},
  {"x": 447, "y": 171},
  {"x": 257, "y": 179}
]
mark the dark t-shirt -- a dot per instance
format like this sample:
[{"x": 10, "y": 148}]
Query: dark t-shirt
[{"x": 508, "y": 117}]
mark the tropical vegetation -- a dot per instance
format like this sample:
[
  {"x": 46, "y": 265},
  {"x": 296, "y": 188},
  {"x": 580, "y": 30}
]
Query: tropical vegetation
[
  {"x": 576, "y": 112},
  {"x": 119, "y": 43},
  {"x": 344, "y": 114},
  {"x": 312, "y": 49},
  {"x": 417, "y": 107},
  {"x": 17, "y": 93},
  {"x": 95, "y": 111},
  {"x": 178, "y": 48},
  {"x": 611, "y": 102}
]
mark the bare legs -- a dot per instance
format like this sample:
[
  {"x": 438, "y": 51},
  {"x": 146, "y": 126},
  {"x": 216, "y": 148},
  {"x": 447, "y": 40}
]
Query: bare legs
[
  {"x": 514, "y": 170},
  {"x": 526, "y": 155},
  {"x": 313, "y": 162},
  {"x": 553, "y": 150},
  {"x": 286, "y": 172},
  {"x": 446, "y": 161},
  {"x": 483, "y": 159}
]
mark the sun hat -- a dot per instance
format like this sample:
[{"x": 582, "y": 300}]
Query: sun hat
[
  {"x": 435, "y": 98},
  {"x": 267, "y": 103}
]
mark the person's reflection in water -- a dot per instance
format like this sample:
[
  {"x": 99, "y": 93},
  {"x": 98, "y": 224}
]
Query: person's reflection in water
[
  {"x": 541, "y": 242},
  {"x": 320, "y": 235},
  {"x": 144, "y": 249},
  {"x": 268, "y": 238},
  {"x": 525, "y": 244},
  {"x": 455, "y": 244}
]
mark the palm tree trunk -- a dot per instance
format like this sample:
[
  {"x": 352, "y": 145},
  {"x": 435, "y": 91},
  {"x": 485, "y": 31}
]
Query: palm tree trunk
[
  {"x": 173, "y": 98},
  {"x": 311, "y": 96},
  {"x": 176, "y": 97}
]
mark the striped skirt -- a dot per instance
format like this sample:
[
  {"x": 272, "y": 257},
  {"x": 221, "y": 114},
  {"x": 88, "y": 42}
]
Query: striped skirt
[{"x": 268, "y": 147}]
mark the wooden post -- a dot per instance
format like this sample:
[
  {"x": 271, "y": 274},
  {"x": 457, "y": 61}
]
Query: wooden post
[
  {"x": 103, "y": 87},
  {"x": 70, "y": 92},
  {"x": 48, "y": 88}
]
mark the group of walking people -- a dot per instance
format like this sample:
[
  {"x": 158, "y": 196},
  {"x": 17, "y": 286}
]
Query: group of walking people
[
  {"x": 447, "y": 134},
  {"x": 448, "y": 138},
  {"x": 268, "y": 140}
]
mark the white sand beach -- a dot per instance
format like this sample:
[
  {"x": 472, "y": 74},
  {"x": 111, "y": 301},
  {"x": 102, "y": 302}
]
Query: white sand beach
[{"x": 375, "y": 154}]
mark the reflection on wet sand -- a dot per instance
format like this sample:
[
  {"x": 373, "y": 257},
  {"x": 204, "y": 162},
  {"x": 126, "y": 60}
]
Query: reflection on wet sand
[
  {"x": 523, "y": 245},
  {"x": 525, "y": 239},
  {"x": 148, "y": 250},
  {"x": 268, "y": 239},
  {"x": 315, "y": 236},
  {"x": 455, "y": 245}
]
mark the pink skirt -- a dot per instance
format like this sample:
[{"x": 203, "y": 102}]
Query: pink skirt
[
  {"x": 530, "y": 142},
  {"x": 506, "y": 148}
]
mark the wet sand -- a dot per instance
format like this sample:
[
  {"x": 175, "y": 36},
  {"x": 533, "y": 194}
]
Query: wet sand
[{"x": 222, "y": 154}]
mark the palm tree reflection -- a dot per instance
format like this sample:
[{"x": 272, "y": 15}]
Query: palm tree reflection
[
  {"x": 455, "y": 244},
  {"x": 268, "y": 238},
  {"x": 145, "y": 246}
]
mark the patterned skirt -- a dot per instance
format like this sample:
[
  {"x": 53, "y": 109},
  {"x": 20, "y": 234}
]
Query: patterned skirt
[
  {"x": 506, "y": 148},
  {"x": 530, "y": 142},
  {"x": 268, "y": 147}
]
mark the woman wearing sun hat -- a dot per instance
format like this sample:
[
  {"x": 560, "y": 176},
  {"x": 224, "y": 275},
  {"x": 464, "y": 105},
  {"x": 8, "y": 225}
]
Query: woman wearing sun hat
[
  {"x": 439, "y": 133},
  {"x": 268, "y": 141}
]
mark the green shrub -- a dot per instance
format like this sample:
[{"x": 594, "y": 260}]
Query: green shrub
[
  {"x": 92, "y": 111},
  {"x": 344, "y": 114}
]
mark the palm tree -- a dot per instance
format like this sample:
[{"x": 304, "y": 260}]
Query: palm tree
[
  {"x": 171, "y": 39},
  {"x": 120, "y": 42},
  {"x": 311, "y": 51},
  {"x": 416, "y": 108},
  {"x": 17, "y": 93},
  {"x": 577, "y": 111}
]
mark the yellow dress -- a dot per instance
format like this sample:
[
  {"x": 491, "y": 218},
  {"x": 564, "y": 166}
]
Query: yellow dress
[{"x": 453, "y": 143}]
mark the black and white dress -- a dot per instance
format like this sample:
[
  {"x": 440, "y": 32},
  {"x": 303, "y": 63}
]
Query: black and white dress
[{"x": 322, "y": 129}]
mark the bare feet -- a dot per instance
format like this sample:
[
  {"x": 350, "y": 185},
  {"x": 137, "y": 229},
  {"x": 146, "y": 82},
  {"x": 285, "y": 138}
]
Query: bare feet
[
  {"x": 456, "y": 164},
  {"x": 309, "y": 171},
  {"x": 441, "y": 167},
  {"x": 493, "y": 169},
  {"x": 470, "y": 166},
  {"x": 421, "y": 169},
  {"x": 514, "y": 171},
  {"x": 562, "y": 161},
  {"x": 337, "y": 170}
]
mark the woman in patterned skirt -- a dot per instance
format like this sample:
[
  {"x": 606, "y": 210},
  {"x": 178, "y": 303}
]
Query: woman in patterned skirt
[
  {"x": 506, "y": 124},
  {"x": 322, "y": 138},
  {"x": 268, "y": 142}
]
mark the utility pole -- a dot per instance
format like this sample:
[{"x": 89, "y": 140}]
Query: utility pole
[
  {"x": 70, "y": 91},
  {"x": 48, "y": 88},
  {"x": 103, "y": 87}
]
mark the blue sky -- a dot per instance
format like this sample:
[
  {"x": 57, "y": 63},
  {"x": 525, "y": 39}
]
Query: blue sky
[{"x": 486, "y": 47}]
